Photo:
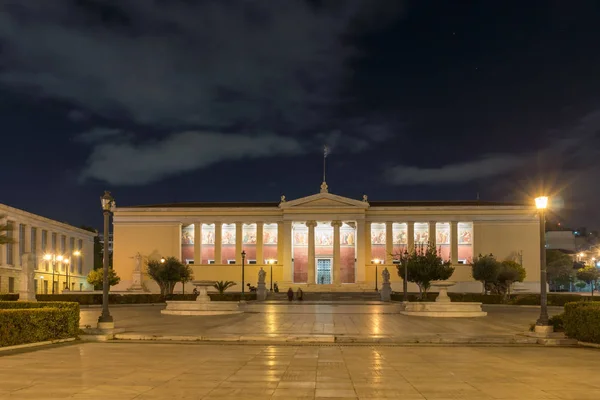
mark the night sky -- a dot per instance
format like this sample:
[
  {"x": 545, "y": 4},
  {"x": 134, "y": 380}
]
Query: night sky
[{"x": 223, "y": 100}]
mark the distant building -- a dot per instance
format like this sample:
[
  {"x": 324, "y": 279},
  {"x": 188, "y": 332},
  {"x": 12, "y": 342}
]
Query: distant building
[
  {"x": 561, "y": 240},
  {"x": 70, "y": 249}
]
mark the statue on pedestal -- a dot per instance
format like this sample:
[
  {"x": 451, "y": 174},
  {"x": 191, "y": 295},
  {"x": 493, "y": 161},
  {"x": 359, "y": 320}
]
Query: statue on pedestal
[
  {"x": 386, "y": 288},
  {"x": 261, "y": 290},
  {"x": 136, "y": 278}
]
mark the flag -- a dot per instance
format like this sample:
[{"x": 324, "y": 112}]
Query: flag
[{"x": 326, "y": 151}]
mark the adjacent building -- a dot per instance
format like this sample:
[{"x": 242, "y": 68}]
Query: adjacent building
[
  {"x": 323, "y": 242},
  {"x": 68, "y": 251}
]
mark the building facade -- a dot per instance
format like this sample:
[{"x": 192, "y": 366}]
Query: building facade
[
  {"x": 69, "y": 249},
  {"x": 323, "y": 242}
]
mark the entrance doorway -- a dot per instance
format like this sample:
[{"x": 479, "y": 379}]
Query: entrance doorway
[{"x": 323, "y": 271}]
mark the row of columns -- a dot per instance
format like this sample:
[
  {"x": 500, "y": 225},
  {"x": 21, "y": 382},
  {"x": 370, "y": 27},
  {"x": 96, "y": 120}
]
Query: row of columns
[
  {"x": 238, "y": 242},
  {"x": 410, "y": 233}
]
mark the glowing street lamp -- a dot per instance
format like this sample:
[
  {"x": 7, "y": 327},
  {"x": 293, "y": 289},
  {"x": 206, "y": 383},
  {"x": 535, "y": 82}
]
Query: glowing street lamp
[
  {"x": 376, "y": 261},
  {"x": 541, "y": 204},
  {"x": 55, "y": 258},
  {"x": 270, "y": 261}
]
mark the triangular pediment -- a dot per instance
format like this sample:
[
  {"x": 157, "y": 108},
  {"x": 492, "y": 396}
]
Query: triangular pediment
[{"x": 324, "y": 200}]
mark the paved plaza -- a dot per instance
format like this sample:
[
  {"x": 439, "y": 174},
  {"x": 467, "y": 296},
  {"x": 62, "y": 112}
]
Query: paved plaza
[
  {"x": 341, "y": 320},
  {"x": 126, "y": 370}
]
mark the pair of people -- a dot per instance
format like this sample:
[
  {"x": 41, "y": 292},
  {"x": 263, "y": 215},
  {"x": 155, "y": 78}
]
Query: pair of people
[{"x": 299, "y": 294}]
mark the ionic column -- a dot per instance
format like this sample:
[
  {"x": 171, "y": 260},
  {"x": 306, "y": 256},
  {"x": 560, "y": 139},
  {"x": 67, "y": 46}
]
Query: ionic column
[
  {"x": 286, "y": 243},
  {"x": 432, "y": 233},
  {"x": 259, "y": 243},
  {"x": 454, "y": 242},
  {"x": 280, "y": 241},
  {"x": 311, "y": 252},
  {"x": 367, "y": 243},
  {"x": 38, "y": 249},
  {"x": 198, "y": 243},
  {"x": 337, "y": 277},
  {"x": 389, "y": 243},
  {"x": 360, "y": 251},
  {"x": 218, "y": 240},
  {"x": 238, "y": 242},
  {"x": 27, "y": 244},
  {"x": 410, "y": 232}
]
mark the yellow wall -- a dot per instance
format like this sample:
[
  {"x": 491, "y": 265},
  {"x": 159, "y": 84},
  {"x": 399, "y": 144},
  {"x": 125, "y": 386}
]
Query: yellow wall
[{"x": 150, "y": 240}]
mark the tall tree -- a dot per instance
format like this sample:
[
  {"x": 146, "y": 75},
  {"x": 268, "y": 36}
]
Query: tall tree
[
  {"x": 168, "y": 273},
  {"x": 424, "y": 266},
  {"x": 559, "y": 267},
  {"x": 589, "y": 275}
]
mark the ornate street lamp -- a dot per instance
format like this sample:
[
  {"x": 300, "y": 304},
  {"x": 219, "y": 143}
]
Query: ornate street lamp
[
  {"x": 541, "y": 204},
  {"x": 404, "y": 258},
  {"x": 376, "y": 261},
  {"x": 270, "y": 261},
  {"x": 105, "y": 321},
  {"x": 243, "y": 262}
]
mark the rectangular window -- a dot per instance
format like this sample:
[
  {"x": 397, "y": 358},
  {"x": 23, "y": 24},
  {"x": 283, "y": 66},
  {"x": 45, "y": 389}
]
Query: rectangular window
[
  {"x": 53, "y": 243},
  {"x": 11, "y": 284},
  {"x": 44, "y": 240},
  {"x": 80, "y": 258},
  {"x": 421, "y": 235},
  {"x": 270, "y": 241},
  {"x": 230, "y": 262},
  {"x": 21, "y": 239},
  {"x": 442, "y": 239},
  {"x": 9, "y": 246},
  {"x": 465, "y": 242},
  {"x": 271, "y": 261},
  {"x": 188, "y": 233},
  {"x": 33, "y": 248},
  {"x": 208, "y": 243},
  {"x": 227, "y": 243},
  {"x": 250, "y": 262},
  {"x": 211, "y": 261},
  {"x": 378, "y": 236},
  {"x": 189, "y": 262},
  {"x": 399, "y": 238},
  {"x": 72, "y": 254},
  {"x": 63, "y": 244}
]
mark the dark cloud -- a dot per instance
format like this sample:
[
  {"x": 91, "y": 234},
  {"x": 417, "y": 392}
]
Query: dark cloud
[{"x": 248, "y": 67}]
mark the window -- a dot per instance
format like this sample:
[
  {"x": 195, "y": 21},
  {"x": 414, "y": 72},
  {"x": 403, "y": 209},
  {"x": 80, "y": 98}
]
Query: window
[
  {"x": 21, "y": 239},
  {"x": 251, "y": 262},
  {"x": 80, "y": 258},
  {"x": 80, "y": 287},
  {"x": 73, "y": 257},
  {"x": 270, "y": 241},
  {"x": 465, "y": 242},
  {"x": 188, "y": 261},
  {"x": 53, "y": 244},
  {"x": 273, "y": 261},
  {"x": 11, "y": 284},
  {"x": 442, "y": 239},
  {"x": 208, "y": 243},
  {"x": 45, "y": 287},
  {"x": 44, "y": 240},
  {"x": 227, "y": 243},
  {"x": 63, "y": 244},
  {"x": 9, "y": 247},
  {"x": 188, "y": 234},
  {"x": 211, "y": 261},
  {"x": 33, "y": 248},
  {"x": 399, "y": 238},
  {"x": 378, "y": 237},
  {"x": 230, "y": 262},
  {"x": 421, "y": 235}
]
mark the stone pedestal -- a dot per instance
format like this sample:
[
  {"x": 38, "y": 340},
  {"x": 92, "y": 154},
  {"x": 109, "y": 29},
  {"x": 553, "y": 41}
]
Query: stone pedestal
[
  {"x": 261, "y": 291},
  {"x": 27, "y": 288},
  {"x": 386, "y": 292},
  {"x": 443, "y": 309},
  {"x": 202, "y": 305},
  {"x": 136, "y": 282}
]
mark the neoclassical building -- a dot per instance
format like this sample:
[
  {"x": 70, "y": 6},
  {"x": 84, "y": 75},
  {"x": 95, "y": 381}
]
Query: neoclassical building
[
  {"x": 323, "y": 242},
  {"x": 70, "y": 251}
]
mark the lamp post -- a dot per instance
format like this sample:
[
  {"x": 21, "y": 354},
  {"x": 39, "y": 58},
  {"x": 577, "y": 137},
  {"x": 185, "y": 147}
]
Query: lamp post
[
  {"x": 243, "y": 262},
  {"x": 405, "y": 280},
  {"x": 76, "y": 254},
  {"x": 105, "y": 321},
  {"x": 542, "y": 203},
  {"x": 270, "y": 261},
  {"x": 54, "y": 258},
  {"x": 67, "y": 263},
  {"x": 376, "y": 261}
]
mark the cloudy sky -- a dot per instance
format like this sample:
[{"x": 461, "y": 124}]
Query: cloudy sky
[{"x": 233, "y": 100}]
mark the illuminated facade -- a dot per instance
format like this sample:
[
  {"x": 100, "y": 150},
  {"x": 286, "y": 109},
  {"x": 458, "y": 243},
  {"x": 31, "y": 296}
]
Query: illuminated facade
[
  {"x": 72, "y": 249},
  {"x": 323, "y": 242}
]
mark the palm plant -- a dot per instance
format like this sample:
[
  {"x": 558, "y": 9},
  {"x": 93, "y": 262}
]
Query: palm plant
[
  {"x": 4, "y": 229},
  {"x": 222, "y": 286}
]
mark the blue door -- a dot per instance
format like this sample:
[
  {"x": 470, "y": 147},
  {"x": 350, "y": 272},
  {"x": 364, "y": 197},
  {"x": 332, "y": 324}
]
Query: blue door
[{"x": 323, "y": 271}]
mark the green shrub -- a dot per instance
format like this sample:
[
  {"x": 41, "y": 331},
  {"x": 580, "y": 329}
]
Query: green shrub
[
  {"x": 29, "y": 322},
  {"x": 582, "y": 321},
  {"x": 145, "y": 298},
  {"x": 9, "y": 297},
  {"x": 557, "y": 321}
]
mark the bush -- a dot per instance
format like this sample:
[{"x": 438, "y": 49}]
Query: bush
[
  {"x": 146, "y": 298},
  {"x": 30, "y": 322},
  {"x": 9, "y": 297},
  {"x": 519, "y": 299},
  {"x": 582, "y": 321},
  {"x": 557, "y": 321}
]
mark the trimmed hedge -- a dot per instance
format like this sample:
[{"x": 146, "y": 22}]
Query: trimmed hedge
[
  {"x": 9, "y": 297},
  {"x": 30, "y": 322},
  {"x": 145, "y": 298},
  {"x": 514, "y": 299},
  {"x": 582, "y": 321}
]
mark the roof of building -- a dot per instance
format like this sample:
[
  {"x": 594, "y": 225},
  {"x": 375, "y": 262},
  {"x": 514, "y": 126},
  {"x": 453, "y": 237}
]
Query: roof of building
[{"x": 471, "y": 203}]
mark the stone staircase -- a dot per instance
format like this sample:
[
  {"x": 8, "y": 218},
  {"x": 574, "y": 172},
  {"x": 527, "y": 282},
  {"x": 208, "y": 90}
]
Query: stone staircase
[{"x": 329, "y": 296}]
